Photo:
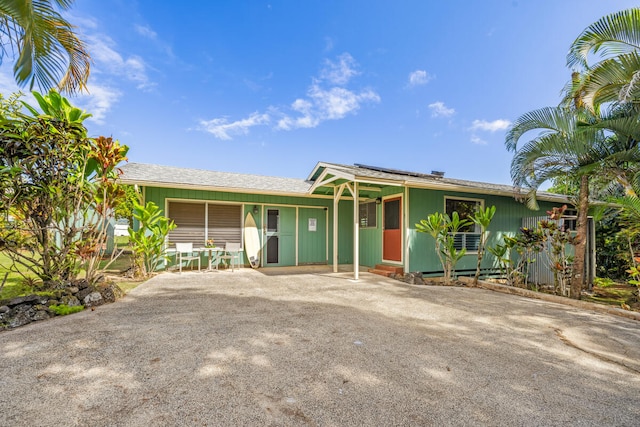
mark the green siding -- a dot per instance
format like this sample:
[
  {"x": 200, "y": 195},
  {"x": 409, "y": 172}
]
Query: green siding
[
  {"x": 160, "y": 195},
  {"x": 371, "y": 238},
  {"x": 371, "y": 243},
  {"x": 286, "y": 236},
  {"x": 345, "y": 232},
  {"x": 312, "y": 244},
  {"x": 507, "y": 220}
]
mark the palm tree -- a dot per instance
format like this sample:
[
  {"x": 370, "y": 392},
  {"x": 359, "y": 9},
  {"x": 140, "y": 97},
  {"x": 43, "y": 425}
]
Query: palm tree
[
  {"x": 615, "y": 41},
  {"x": 49, "y": 54},
  {"x": 573, "y": 142},
  {"x": 563, "y": 146}
]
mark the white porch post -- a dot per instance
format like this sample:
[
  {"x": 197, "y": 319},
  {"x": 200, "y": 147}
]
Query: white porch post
[
  {"x": 337, "y": 191},
  {"x": 407, "y": 230},
  {"x": 356, "y": 233}
]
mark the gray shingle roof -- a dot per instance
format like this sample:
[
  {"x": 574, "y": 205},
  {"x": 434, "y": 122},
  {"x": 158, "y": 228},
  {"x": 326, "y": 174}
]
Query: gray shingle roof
[
  {"x": 431, "y": 180},
  {"x": 169, "y": 176}
]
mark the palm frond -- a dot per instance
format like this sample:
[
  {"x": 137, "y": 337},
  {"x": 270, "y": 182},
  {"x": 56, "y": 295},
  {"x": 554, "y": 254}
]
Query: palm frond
[
  {"x": 545, "y": 120},
  {"x": 611, "y": 80},
  {"x": 614, "y": 34},
  {"x": 50, "y": 54}
]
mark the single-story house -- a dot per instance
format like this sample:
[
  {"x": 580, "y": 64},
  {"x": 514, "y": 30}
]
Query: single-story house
[{"x": 341, "y": 214}]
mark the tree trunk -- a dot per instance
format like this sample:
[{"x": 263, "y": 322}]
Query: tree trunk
[
  {"x": 480, "y": 256},
  {"x": 577, "y": 271}
]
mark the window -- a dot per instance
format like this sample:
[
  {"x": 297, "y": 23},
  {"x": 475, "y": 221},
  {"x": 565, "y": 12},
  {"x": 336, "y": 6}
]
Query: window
[
  {"x": 570, "y": 219},
  {"x": 368, "y": 212},
  {"x": 198, "y": 222},
  {"x": 189, "y": 219},
  {"x": 467, "y": 237},
  {"x": 225, "y": 224}
]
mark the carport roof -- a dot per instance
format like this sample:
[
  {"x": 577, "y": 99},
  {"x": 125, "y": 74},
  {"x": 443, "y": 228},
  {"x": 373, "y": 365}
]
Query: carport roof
[{"x": 333, "y": 174}]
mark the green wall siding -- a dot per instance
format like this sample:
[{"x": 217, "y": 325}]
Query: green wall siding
[
  {"x": 371, "y": 238},
  {"x": 345, "y": 232},
  {"x": 312, "y": 244},
  {"x": 160, "y": 195},
  {"x": 286, "y": 236},
  {"x": 507, "y": 220},
  {"x": 311, "y": 249}
]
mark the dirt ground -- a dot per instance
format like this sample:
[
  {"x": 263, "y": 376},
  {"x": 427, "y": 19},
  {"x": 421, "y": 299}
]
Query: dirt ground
[{"x": 308, "y": 347}]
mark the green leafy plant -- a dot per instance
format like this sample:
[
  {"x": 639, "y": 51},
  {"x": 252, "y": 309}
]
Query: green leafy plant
[
  {"x": 603, "y": 282},
  {"x": 148, "y": 241},
  {"x": 63, "y": 309},
  {"x": 57, "y": 188},
  {"x": 482, "y": 218},
  {"x": 443, "y": 229},
  {"x": 525, "y": 244},
  {"x": 106, "y": 195},
  {"x": 634, "y": 272}
]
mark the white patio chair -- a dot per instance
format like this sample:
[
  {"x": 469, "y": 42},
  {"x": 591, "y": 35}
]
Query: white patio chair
[
  {"x": 185, "y": 252},
  {"x": 231, "y": 254}
]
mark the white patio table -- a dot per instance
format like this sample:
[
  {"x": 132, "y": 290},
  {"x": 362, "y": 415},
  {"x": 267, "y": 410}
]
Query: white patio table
[{"x": 213, "y": 256}]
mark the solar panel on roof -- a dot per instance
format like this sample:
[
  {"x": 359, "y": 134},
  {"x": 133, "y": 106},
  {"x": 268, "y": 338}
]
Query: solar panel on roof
[{"x": 396, "y": 171}]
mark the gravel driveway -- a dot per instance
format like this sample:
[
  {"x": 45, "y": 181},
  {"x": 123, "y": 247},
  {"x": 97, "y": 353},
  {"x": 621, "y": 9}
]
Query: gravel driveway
[{"x": 247, "y": 348}]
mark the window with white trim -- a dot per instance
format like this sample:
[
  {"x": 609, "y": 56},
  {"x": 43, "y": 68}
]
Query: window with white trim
[
  {"x": 569, "y": 220},
  {"x": 467, "y": 237},
  {"x": 368, "y": 215},
  {"x": 197, "y": 222}
]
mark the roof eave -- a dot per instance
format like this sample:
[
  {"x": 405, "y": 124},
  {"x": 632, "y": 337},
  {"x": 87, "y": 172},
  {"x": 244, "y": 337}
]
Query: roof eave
[
  {"x": 184, "y": 186},
  {"x": 315, "y": 169},
  {"x": 497, "y": 192}
]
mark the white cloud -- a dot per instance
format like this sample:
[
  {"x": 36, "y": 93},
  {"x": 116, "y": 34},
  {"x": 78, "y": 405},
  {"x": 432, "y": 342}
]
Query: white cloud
[
  {"x": 341, "y": 71},
  {"x": 477, "y": 140},
  {"x": 326, "y": 99},
  {"x": 99, "y": 101},
  {"x": 419, "y": 77},
  {"x": 337, "y": 102},
  {"x": 438, "y": 109},
  {"x": 8, "y": 83},
  {"x": 109, "y": 61},
  {"x": 325, "y": 104},
  {"x": 222, "y": 129},
  {"x": 145, "y": 31},
  {"x": 82, "y": 22},
  {"x": 493, "y": 126}
]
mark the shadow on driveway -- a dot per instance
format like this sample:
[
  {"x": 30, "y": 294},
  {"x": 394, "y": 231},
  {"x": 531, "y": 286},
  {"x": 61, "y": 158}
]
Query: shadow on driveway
[{"x": 247, "y": 348}]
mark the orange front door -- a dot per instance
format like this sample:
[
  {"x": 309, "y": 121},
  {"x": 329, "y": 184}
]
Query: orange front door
[{"x": 392, "y": 230}]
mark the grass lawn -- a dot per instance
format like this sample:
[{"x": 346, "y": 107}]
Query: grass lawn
[
  {"x": 16, "y": 285},
  {"x": 614, "y": 293}
]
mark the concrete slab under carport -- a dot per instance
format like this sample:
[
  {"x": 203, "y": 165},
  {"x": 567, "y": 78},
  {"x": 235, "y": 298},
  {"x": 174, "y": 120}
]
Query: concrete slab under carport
[{"x": 317, "y": 348}]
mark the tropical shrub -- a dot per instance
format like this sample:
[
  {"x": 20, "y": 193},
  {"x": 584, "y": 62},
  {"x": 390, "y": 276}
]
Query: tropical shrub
[
  {"x": 516, "y": 254},
  {"x": 443, "y": 228},
  {"x": 148, "y": 241},
  {"x": 57, "y": 188},
  {"x": 482, "y": 218}
]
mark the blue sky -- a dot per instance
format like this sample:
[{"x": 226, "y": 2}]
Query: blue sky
[{"x": 273, "y": 87}]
